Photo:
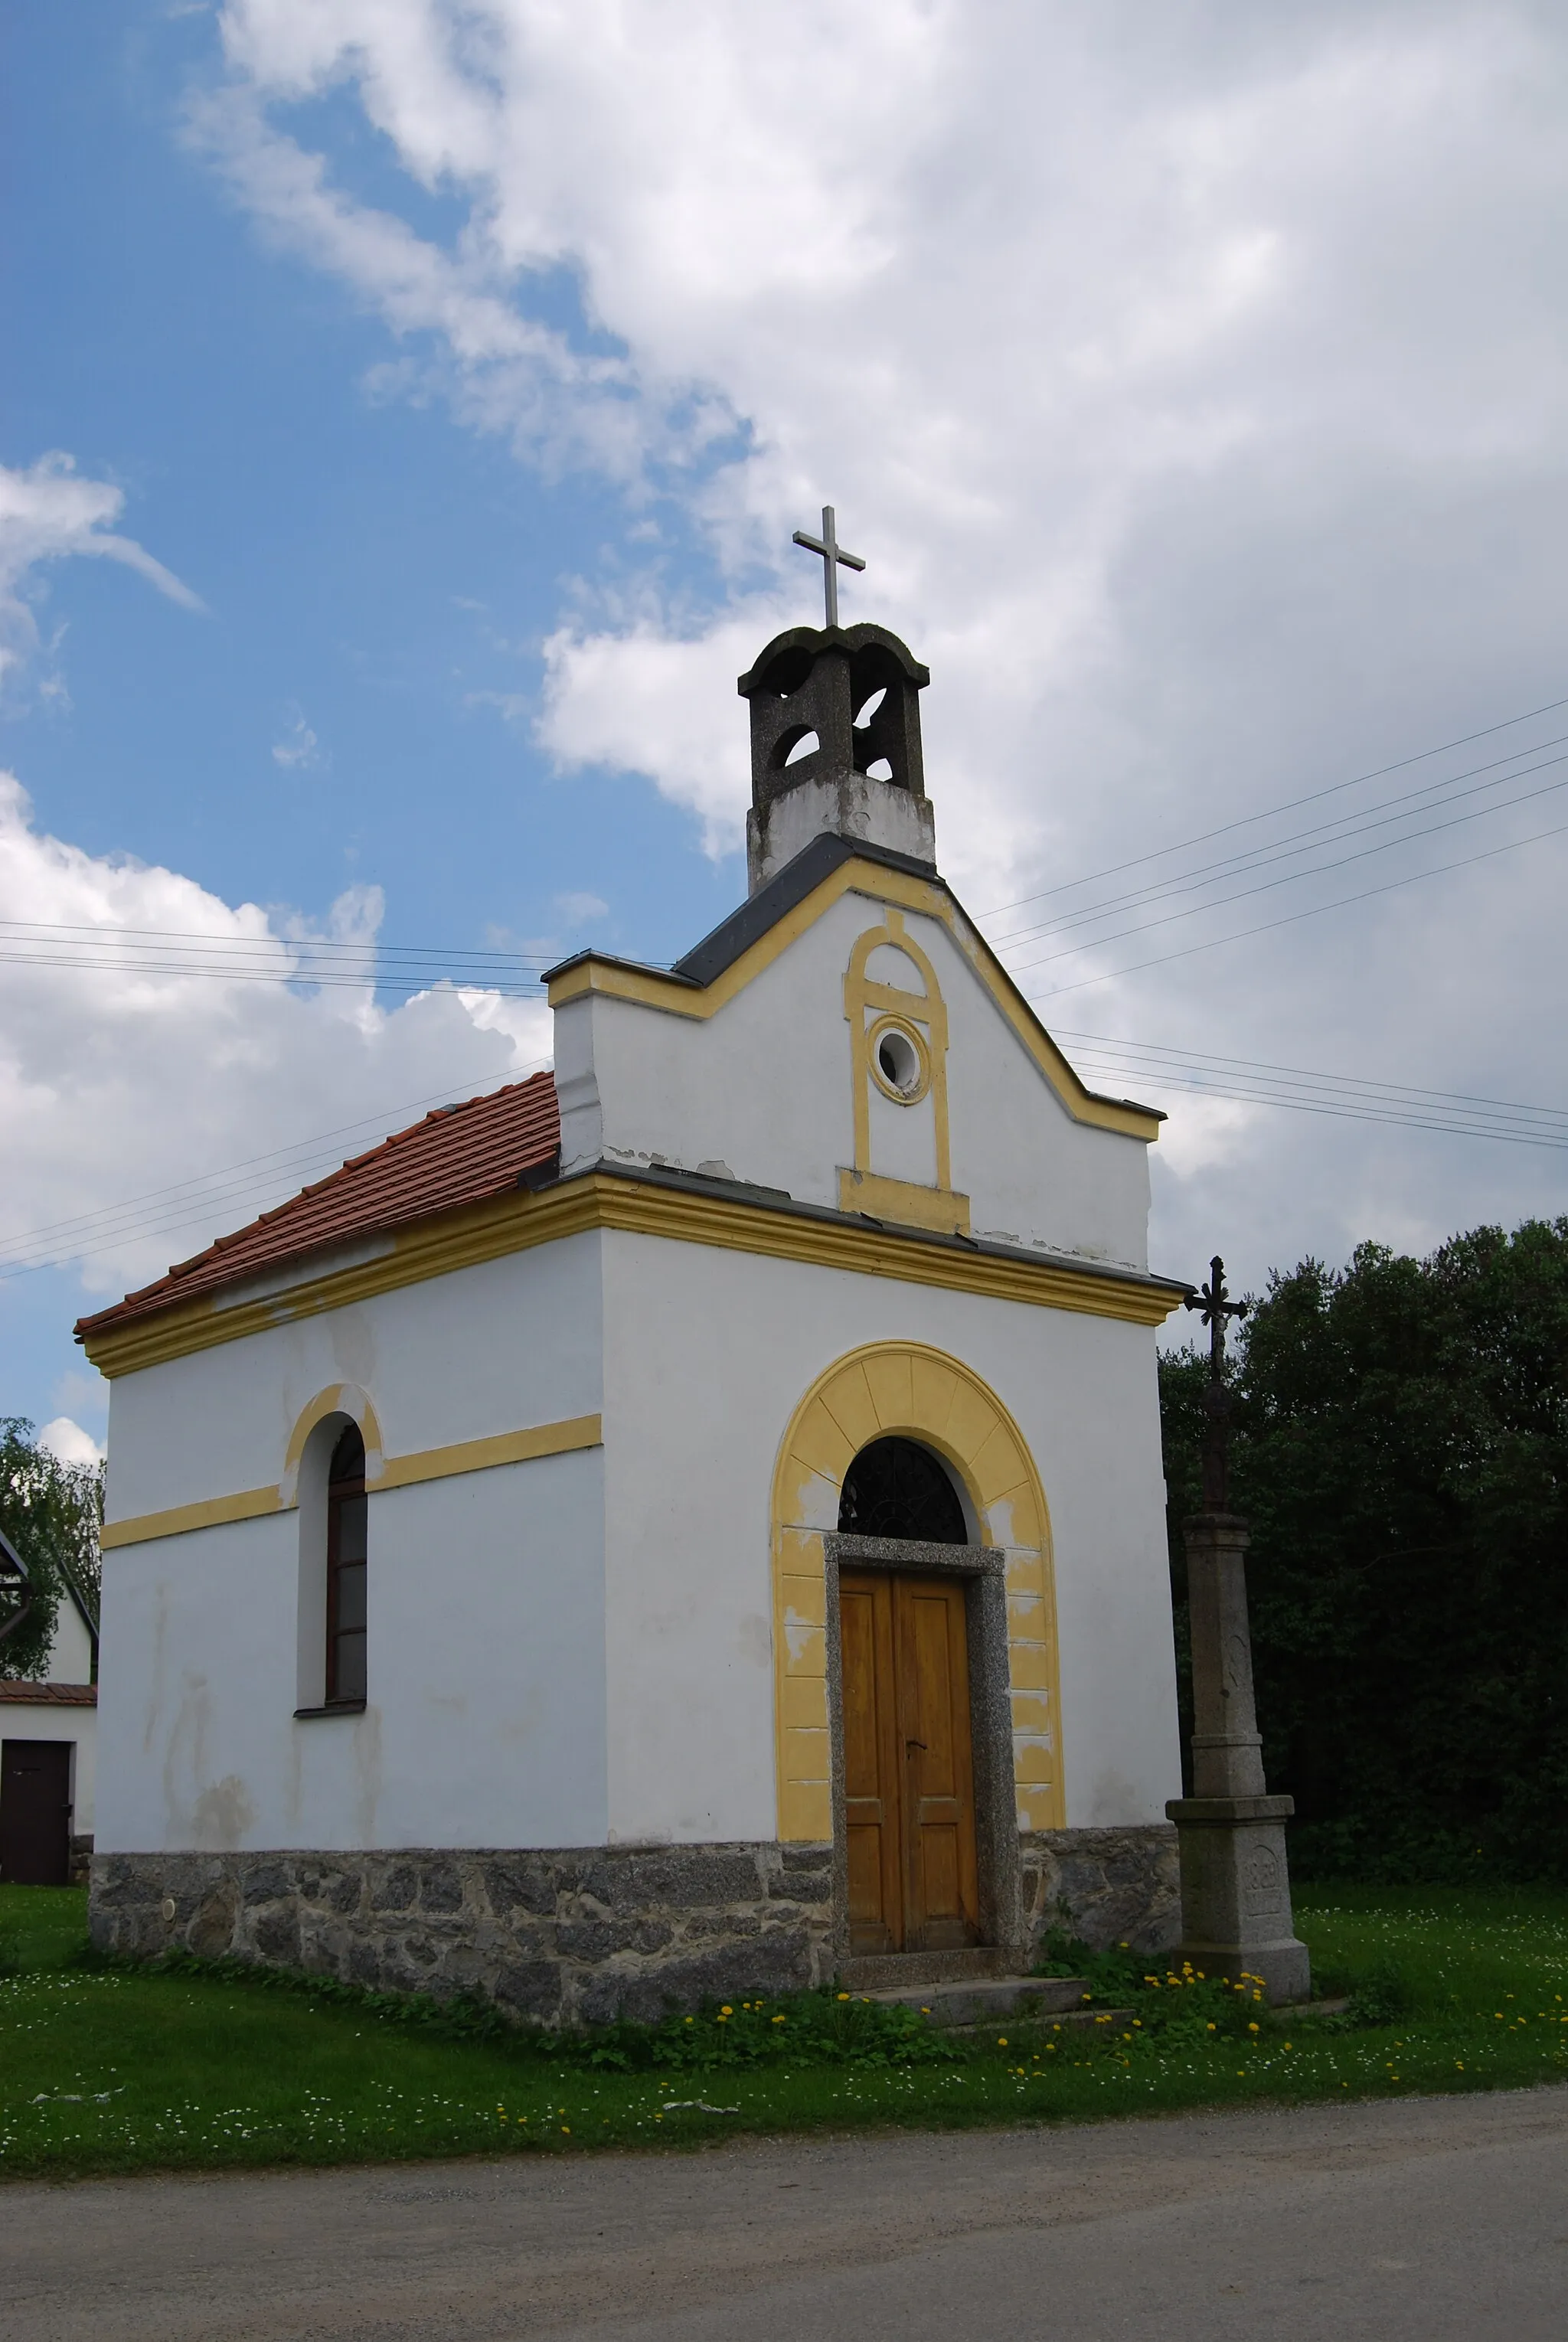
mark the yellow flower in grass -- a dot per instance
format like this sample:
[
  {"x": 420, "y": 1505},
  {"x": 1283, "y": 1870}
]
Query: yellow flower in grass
[{"x": 843, "y": 1995}]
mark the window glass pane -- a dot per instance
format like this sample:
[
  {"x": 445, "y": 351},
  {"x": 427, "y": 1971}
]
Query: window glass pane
[
  {"x": 351, "y": 1526},
  {"x": 347, "y": 1458},
  {"x": 349, "y": 1672},
  {"x": 351, "y": 1597}
]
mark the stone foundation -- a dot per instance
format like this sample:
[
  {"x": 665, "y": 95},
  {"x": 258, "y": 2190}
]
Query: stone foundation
[
  {"x": 583, "y": 1935},
  {"x": 81, "y": 1858},
  {"x": 1104, "y": 1886},
  {"x": 551, "y": 1938}
]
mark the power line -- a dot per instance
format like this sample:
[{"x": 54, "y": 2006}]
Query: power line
[
  {"x": 1303, "y": 1091},
  {"x": 44, "y": 928},
  {"x": 1291, "y": 917},
  {"x": 1437, "y": 793},
  {"x": 1288, "y": 804},
  {"x": 1291, "y": 877}
]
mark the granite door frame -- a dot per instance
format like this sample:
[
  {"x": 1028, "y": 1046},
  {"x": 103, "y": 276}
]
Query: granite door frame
[{"x": 983, "y": 1570}]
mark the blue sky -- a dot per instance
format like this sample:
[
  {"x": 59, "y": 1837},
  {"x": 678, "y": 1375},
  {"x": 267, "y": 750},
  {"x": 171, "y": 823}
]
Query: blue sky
[
  {"x": 370, "y": 572},
  {"x": 450, "y": 381}
]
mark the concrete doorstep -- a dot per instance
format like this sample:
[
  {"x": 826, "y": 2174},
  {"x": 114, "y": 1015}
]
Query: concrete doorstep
[{"x": 984, "y": 2000}]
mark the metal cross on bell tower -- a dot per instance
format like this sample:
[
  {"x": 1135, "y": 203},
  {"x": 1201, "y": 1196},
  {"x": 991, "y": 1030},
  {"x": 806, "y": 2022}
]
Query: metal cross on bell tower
[
  {"x": 1214, "y": 1306},
  {"x": 833, "y": 556}
]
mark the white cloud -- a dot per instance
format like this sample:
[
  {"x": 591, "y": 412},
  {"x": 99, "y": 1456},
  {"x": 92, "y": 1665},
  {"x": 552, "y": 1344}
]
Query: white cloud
[
  {"x": 1193, "y": 380},
  {"x": 299, "y": 750},
  {"x": 582, "y": 910},
  {"x": 68, "y": 1441},
  {"x": 174, "y": 1096},
  {"x": 49, "y": 512}
]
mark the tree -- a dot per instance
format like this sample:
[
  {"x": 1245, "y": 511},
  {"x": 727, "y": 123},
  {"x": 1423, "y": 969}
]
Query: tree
[
  {"x": 1400, "y": 1450},
  {"x": 52, "y": 1513}
]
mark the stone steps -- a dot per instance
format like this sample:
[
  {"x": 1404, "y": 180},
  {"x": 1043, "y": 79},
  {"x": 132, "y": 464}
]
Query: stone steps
[
  {"x": 874, "y": 1972},
  {"x": 962, "y": 2001}
]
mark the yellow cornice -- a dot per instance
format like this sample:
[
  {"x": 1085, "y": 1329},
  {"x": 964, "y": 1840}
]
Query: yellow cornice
[
  {"x": 519, "y": 1220},
  {"x": 678, "y": 996},
  {"x": 397, "y": 1472}
]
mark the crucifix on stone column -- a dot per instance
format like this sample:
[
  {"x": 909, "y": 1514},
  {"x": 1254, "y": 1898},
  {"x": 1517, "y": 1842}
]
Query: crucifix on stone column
[
  {"x": 833, "y": 556},
  {"x": 1235, "y": 1885},
  {"x": 1216, "y": 1307}
]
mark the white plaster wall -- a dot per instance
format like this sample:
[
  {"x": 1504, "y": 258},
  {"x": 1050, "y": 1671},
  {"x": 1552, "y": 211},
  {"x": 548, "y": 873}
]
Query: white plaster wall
[
  {"x": 707, "y": 1354},
  {"x": 70, "y": 1659},
  {"x": 485, "y": 1720},
  {"x": 761, "y": 1092},
  {"x": 484, "y": 1350},
  {"x": 79, "y": 1725}
]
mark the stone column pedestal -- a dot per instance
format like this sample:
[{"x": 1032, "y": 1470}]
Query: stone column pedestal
[{"x": 1235, "y": 1883}]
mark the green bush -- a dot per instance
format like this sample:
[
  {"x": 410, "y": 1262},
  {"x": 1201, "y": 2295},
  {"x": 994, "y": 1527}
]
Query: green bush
[{"x": 1400, "y": 1451}]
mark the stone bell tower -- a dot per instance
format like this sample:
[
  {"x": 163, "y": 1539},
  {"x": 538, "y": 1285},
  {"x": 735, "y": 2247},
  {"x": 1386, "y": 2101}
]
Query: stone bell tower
[{"x": 836, "y": 746}]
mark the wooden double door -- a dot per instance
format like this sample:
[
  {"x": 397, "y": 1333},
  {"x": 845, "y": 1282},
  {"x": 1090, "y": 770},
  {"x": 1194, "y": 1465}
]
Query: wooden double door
[{"x": 908, "y": 1763}]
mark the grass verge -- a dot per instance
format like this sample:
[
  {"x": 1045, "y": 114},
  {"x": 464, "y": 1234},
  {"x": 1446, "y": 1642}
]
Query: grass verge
[{"x": 120, "y": 2070}]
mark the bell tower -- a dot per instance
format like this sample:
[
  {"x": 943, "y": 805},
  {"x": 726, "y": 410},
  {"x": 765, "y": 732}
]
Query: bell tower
[
  {"x": 836, "y": 735},
  {"x": 836, "y": 746}
]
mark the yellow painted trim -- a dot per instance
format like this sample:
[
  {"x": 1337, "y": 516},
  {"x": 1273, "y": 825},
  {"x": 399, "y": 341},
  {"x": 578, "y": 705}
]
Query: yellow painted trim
[
  {"x": 435, "y": 1248},
  {"x": 908, "y": 1389},
  {"x": 250, "y": 1504},
  {"x": 395, "y": 1472},
  {"x": 651, "y": 990},
  {"x": 518, "y": 1221},
  {"x": 940, "y": 1208},
  {"x": 338, "y": 1398},
  {"x": 483, "y": 1455}
]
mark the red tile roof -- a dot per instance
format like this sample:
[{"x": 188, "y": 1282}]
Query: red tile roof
[
  {"x": 458, "y": 1155},
  {"x": 15, "y": 1693}
]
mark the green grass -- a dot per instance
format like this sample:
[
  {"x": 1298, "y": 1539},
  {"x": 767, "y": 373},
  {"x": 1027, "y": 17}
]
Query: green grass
[{"x": 106, "y": 2069}]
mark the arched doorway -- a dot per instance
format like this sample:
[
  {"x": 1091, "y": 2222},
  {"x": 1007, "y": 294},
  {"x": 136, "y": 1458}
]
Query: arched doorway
[
  {"x": 912, "y": 1875},
  {"x": 913, "y": 1393}
]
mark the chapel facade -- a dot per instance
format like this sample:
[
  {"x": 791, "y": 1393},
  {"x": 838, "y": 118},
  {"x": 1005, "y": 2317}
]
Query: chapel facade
[{"x": 691, "y": 1522}]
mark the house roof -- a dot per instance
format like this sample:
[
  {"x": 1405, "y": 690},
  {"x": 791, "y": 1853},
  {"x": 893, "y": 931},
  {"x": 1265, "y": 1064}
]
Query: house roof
[
  {"x": 458, "y": 1155},
  {"x": 15, "y": 1693}
]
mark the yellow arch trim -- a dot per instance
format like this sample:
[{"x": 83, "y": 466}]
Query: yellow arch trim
[
  {"x": 651, "y": 989},
  {"x": 337, "y": 1398},
  {"x": 907, "y": 1387}
]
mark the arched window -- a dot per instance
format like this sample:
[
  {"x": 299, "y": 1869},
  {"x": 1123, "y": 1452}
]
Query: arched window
[
  {"x": 896, "y": 1489},
  {"x": 345, "y": 1571}
]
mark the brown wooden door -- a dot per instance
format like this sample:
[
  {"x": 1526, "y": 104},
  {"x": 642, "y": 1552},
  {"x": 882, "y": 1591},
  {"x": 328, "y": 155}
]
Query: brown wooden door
[
  {"x": 35, "y": 1813},
  {"x": 909, "y": 1784}
]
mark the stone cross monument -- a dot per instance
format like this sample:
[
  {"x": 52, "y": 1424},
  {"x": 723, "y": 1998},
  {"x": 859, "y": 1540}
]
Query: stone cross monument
[{"x": 1235, "y": 1886}]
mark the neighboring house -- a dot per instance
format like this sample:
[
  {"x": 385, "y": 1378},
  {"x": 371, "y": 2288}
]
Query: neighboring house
[
  {"x": 48, "y": 1749},
  {"x": 686, "y": 1523}
]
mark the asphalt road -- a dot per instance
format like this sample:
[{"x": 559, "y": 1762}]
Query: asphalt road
[{"x": 1436, "y": 2218}]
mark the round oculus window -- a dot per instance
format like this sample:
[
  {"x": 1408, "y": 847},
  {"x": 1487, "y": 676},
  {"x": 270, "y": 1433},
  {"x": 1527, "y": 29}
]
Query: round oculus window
[{"x": 899, "y": 1062}]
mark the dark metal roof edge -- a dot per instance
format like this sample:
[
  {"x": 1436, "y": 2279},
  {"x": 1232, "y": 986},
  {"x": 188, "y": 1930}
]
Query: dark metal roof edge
[
  {"x": 718, "y": 950},
  {"x": 612, "y": 959},
  {"x": 776, "y": 1199}
]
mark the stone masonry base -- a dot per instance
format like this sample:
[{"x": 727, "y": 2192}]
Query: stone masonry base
[
  {"x": 1104, "y": 1886},
  {"x": 582, "y": 1935},
  {"x": 555, "y": 1938}
]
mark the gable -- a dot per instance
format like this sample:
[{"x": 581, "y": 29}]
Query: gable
[{"x": 764, "y": 1068}]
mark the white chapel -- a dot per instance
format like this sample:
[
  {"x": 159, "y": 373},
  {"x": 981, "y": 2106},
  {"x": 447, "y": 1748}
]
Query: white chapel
[{"x": 691, "y": 1521}]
